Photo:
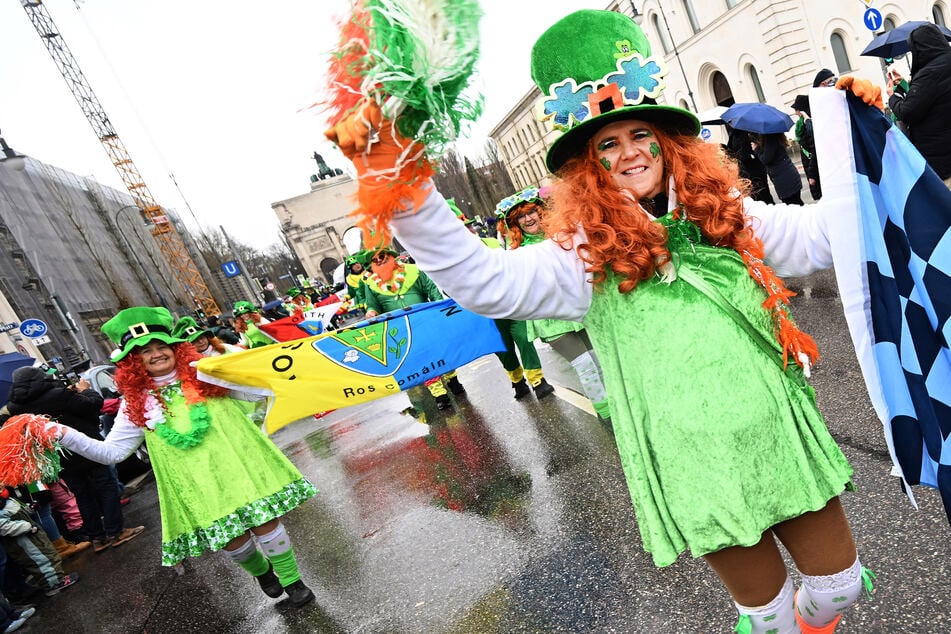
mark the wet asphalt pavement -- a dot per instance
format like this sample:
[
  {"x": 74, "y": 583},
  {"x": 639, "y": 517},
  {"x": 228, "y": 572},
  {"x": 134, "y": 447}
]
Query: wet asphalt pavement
[{"x": 504, "y": 516}]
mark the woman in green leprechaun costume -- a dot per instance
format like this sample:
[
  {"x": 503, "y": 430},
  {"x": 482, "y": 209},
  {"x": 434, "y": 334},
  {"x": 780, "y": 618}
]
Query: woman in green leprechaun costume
[
  {"x": 246, "y": 320},
  {"x": 520, "y": 223},
  {"x": 658, "y": 251},
  {"x": 222, "y": 484}
]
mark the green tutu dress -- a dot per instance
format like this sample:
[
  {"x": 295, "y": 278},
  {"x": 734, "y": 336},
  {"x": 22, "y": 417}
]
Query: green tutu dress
[
  {"x": 233, "y": 479},
  {"x": 718, "y": 443}
]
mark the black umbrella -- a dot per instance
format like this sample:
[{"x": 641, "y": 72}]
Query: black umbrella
[
  {"x": 895, "y": 42},
  {"x": 9, "y": 362}
]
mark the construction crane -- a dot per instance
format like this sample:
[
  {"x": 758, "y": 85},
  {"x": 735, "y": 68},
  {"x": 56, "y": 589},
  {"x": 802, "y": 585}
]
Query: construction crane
[{"x": 169, "y": 241}]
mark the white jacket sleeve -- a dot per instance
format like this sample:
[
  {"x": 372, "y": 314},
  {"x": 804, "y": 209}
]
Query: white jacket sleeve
[
  {"x": 795, "y": 238},
  {"x": 540, "y": 281},
  {"x": 124, "y": 438}
]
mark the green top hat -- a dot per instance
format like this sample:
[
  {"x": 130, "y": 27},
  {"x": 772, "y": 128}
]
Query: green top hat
[
  {"x": 137, "y": 326},
  {"x": 527, "y": 195},
  {"x": 243, "y": 308},
  {"x": 188, "y": 329},
  {"x": 293, "y": 292},
  {"x": 362, "y": 257},
  {"x": 593, "y": 68}
]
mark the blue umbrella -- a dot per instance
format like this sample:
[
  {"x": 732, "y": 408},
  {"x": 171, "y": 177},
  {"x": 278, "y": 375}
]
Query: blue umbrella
[
  {"x": 760, "y": 118},
  {"x": 9, "y": 362},
  {"x": 895, "y": 42}
]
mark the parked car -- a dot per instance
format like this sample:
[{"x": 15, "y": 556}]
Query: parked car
[{"x": 102, "y": 379}]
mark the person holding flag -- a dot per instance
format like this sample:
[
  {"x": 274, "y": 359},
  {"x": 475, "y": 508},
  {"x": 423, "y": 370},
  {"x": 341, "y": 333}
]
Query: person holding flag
[
  {"x": 393, "y": 284},
  {"x": 247, "y": 318},
  {"x": 300, "y": 301},
  {"x": 657, "y": 250},
  {"x": 204, "y": 340},
  {"x": 187, "y": 425}
]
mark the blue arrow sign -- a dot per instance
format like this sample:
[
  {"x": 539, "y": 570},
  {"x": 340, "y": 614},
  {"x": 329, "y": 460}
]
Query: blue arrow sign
[
  {"x": 33, "y": 328},
  {"x": 872, "y": 19},
  {"x": 231, "y": 269}
]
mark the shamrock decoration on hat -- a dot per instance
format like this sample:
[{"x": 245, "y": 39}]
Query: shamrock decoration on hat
[
  {"x": 138, "y": 326},
  {"x": 593, "y": 68},
  {"x": 506, "y": 205}
]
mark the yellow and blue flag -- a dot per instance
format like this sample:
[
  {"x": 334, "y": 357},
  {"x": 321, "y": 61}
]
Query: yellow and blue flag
[{"x": 374, "y": 358}]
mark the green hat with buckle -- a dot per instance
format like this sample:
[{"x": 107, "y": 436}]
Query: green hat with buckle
[
  {"x": 243, "y": 308},
  {"x": 188, "y": 329},
  {"x": 594, "y": 67},
  {"x": 137, "y": 326}
]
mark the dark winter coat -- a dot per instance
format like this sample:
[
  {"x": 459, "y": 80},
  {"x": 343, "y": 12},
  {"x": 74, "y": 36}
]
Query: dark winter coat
[
  {"x": 782, "y": 171},
  {"x": 738, "y": 147},
  {"x": 926, "y": 107},
  {"x": 36, "y": 392}
]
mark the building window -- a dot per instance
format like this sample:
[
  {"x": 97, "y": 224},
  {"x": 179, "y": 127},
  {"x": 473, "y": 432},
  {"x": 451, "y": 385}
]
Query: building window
[
  {"x": 662, "y": 34},
  {"x": 842, "y": 62},
  {"x": 732, "y": 3},
  {"x": 691, "y": 16},
  {"x": 937, "y": 12},
  {"x": 757, "y": 86},
  {"x": 721, "y": 90},
  {"x": 888, "y": 24}
]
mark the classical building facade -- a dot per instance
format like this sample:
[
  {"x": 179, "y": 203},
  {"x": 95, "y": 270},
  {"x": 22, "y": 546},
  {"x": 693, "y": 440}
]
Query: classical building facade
[
  {"x": 315, "y": 223},
  {"x": 719, "y": 52}
]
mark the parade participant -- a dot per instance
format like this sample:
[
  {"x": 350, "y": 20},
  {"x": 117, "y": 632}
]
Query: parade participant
[
  {"x": 356, "y": 271},
  {"x": 525, "y": 374},
  {"x": 246, "y": 320},
  {"x": 520, "y": 221},
  {"x": 204, "y": 340},
  {"x": 393, "y": 284},
  {"x": 299, "y": 301},
  {"x": 660, "y": 255},
  {"x": 188, "y": 425}
]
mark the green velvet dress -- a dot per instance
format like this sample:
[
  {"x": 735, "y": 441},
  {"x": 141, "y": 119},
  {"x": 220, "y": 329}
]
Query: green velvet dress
[
  {"x": 718, "y": 443},
  {"x": 233, "y": 480}
]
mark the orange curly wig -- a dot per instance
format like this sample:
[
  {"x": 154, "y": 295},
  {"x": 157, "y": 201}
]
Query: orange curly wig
[
  {"x": 621, "y": 236},
  {"x": 134, "y": 382},
  {"x": 509, "y": 226}
]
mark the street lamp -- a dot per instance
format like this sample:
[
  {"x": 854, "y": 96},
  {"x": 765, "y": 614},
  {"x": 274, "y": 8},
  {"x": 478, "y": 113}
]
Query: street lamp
[
  {"x": 145, "y": 271},
  {"x": 638, "y": 17},
  {"x": 10, "y": 157}
]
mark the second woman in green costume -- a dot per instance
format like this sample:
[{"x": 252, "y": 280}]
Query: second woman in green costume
[{"x": 520, "y": 223}]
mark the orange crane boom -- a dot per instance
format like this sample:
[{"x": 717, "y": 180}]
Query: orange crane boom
[{"x": 169, "y": 241}]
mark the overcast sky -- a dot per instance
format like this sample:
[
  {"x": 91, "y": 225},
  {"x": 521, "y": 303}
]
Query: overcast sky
[{"x": 213, "y": 92}]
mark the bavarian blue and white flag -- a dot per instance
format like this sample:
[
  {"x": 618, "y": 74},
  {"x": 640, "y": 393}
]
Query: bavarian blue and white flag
[{"x": 892, "y": 253}]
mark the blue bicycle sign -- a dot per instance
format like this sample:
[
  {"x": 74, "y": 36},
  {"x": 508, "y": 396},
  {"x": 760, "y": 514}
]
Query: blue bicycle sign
[{"x": 33, "y": 328}]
